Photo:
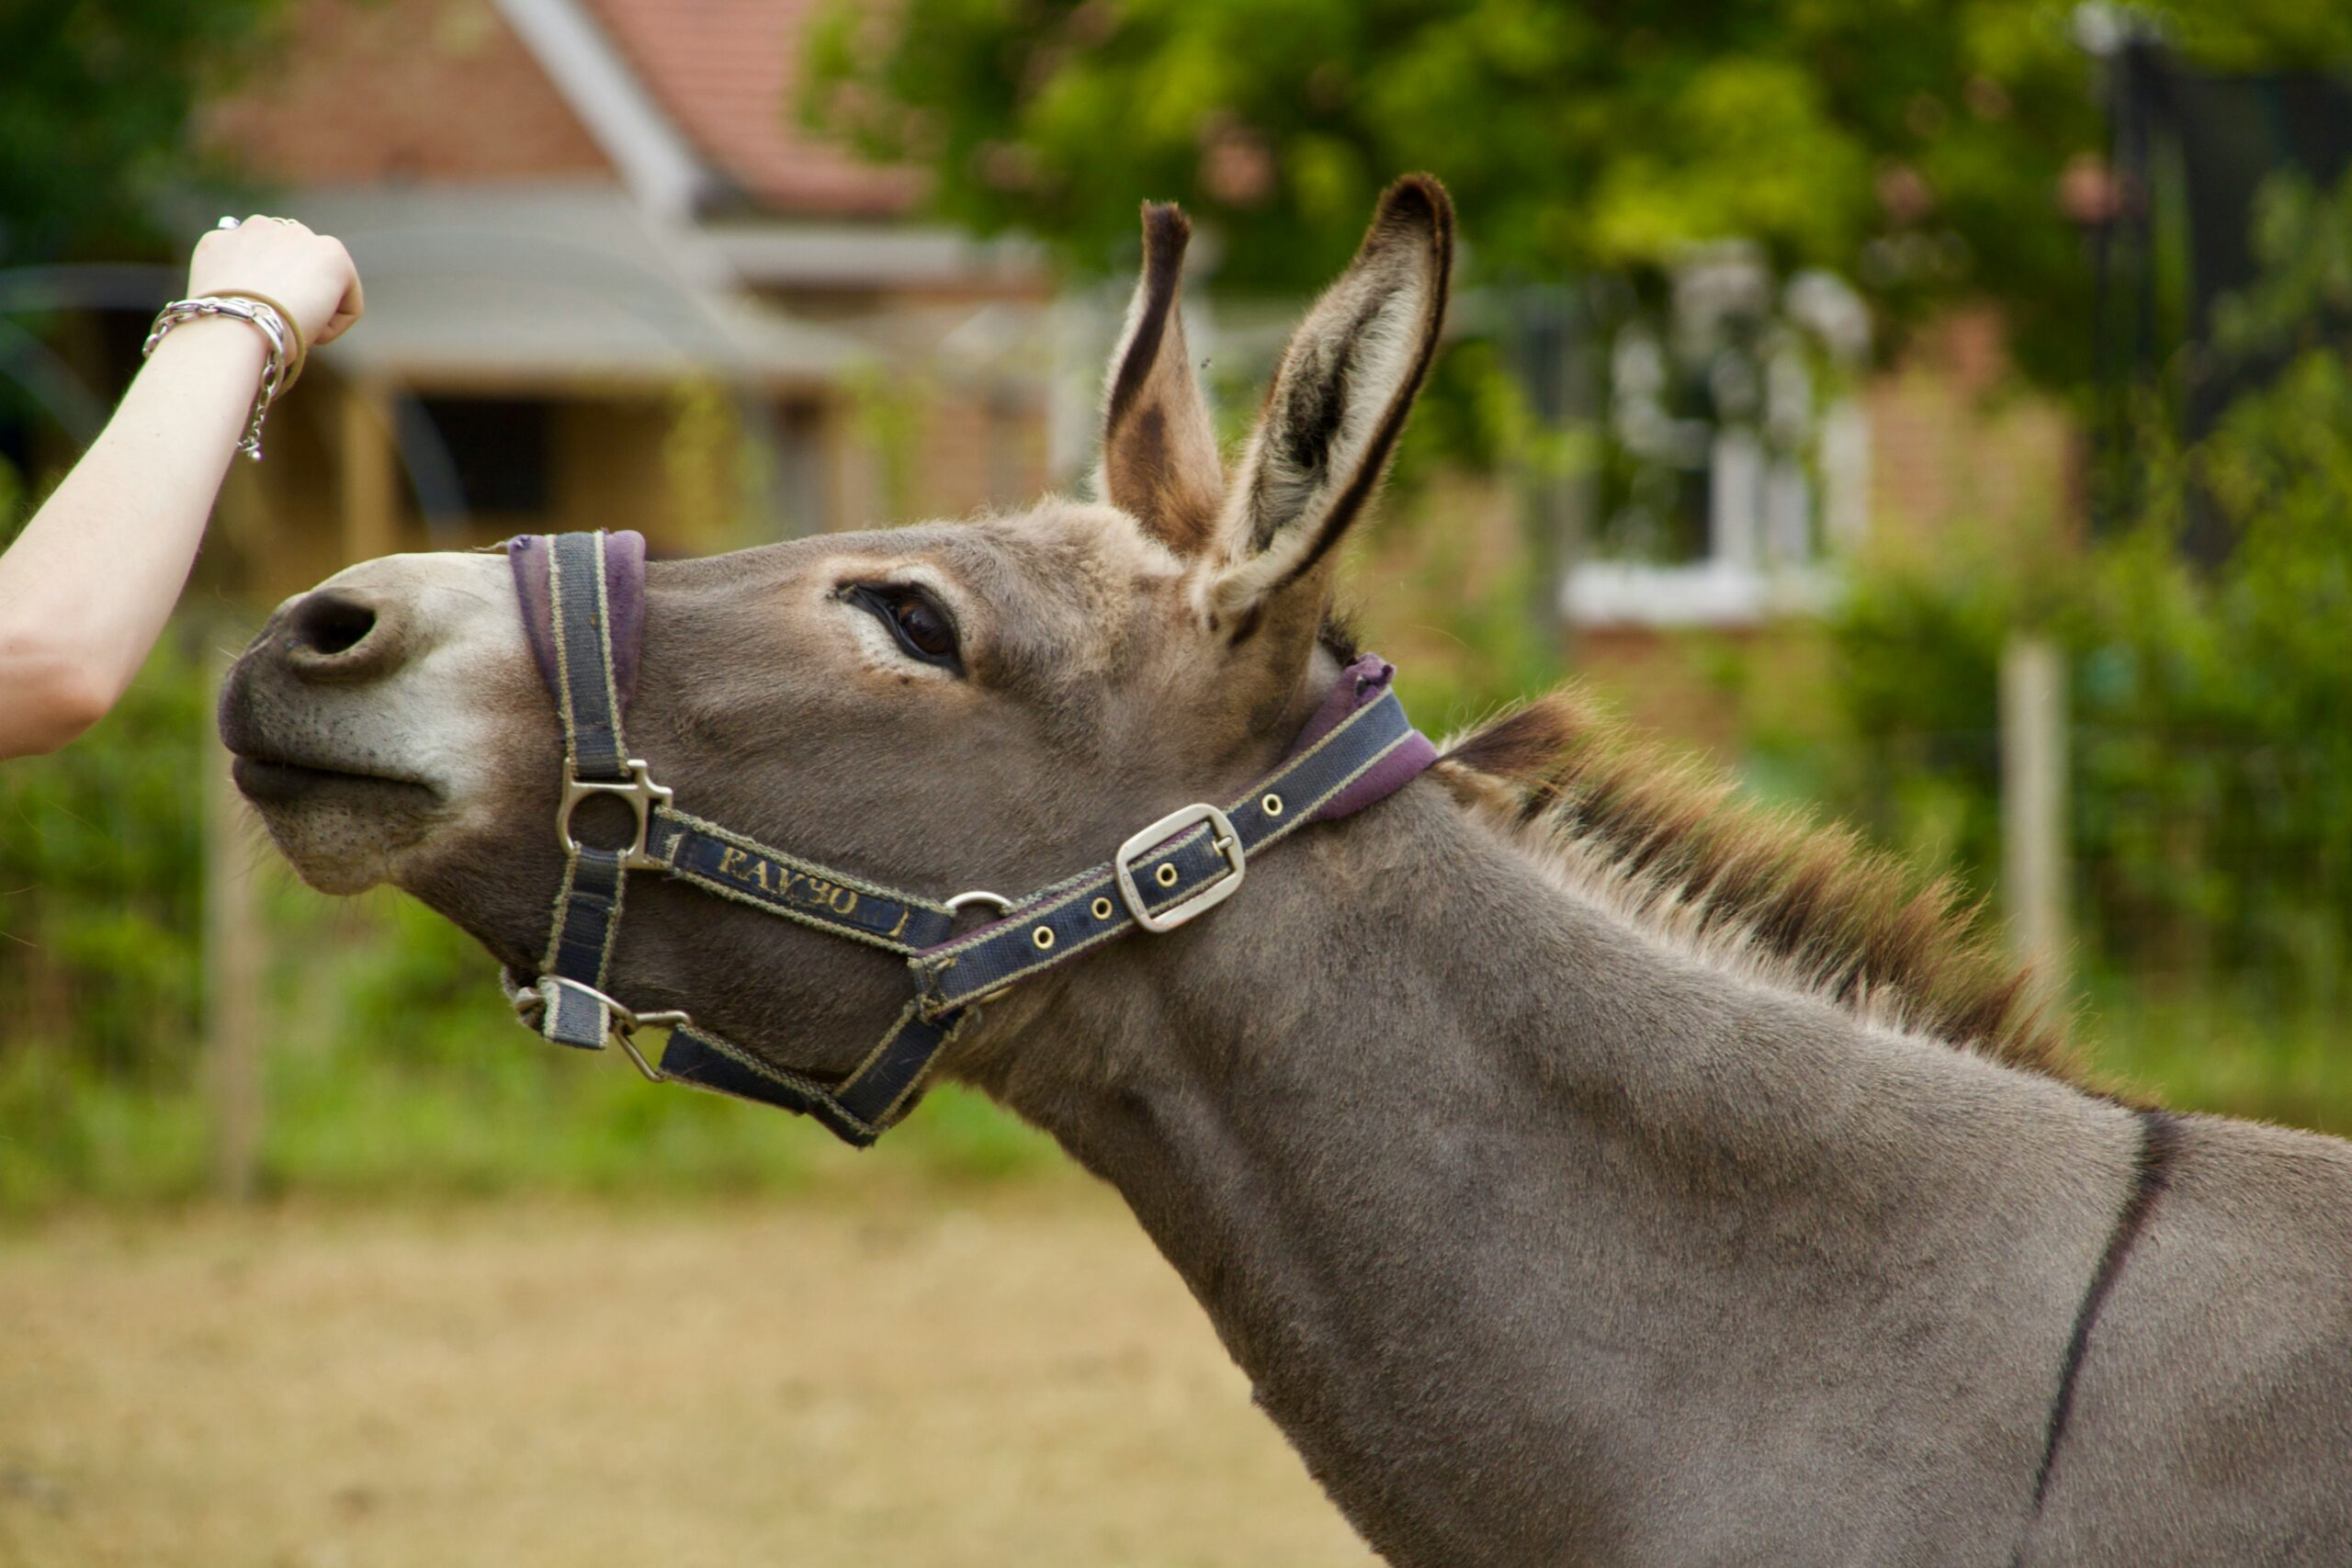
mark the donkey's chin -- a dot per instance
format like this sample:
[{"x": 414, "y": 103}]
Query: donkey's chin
[{"x": 343, "y": 832}]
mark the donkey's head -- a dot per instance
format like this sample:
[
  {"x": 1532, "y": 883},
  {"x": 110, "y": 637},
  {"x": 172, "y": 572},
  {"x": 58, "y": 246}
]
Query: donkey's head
[{"x": 984, "y": 705}]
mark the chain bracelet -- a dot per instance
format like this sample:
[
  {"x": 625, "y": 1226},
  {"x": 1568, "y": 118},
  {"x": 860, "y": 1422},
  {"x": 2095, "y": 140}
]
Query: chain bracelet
[{"x": 265, "y": 320}]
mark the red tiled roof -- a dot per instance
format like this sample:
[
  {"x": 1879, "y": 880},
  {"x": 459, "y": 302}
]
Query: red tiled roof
[{"x": 727, "y": 73}]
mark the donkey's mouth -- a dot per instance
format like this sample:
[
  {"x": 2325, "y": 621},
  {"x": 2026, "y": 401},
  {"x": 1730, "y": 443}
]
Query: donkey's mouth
[
  {"x": 274, "y": 768},
  {"x": 344, "y": 830},
  {"x": 268, "y": 780}
]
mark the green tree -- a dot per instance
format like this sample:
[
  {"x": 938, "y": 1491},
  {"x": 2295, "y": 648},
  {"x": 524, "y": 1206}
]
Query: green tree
[
  {"x": 1915, "y": 149},
  {"x": 93, "y": 123},
  {"x": 2211, "y": 757}
]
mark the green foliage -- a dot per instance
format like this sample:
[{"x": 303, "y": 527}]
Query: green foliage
[
  {"x": 2303, "y": 299},
  {"x": 101, "y": 877},
  {"x": 2227, "y": 1048},
  {"x": 402, "y": 1067},
  {"x": 392, "y": 1069},
  {"x": 1915, "y": 148},
  {"x": 886, "y": 414},
  {"x": 2211, "y": 756},
  {"x": 2257, "y": 35},
  {"x": 94, "y": 123},
  {"x": 392, "y": 1065},
  {"x": 2211, "y": 765},
  {"x": 1445, "y": 589}
]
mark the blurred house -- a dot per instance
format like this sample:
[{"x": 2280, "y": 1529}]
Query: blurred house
[
  {"x": 1749, "y": 441},
  {"x": 610, "y": 283}
]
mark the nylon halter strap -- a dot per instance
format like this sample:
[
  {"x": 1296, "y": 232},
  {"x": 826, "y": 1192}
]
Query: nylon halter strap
[{"x": 583, "y": 598}]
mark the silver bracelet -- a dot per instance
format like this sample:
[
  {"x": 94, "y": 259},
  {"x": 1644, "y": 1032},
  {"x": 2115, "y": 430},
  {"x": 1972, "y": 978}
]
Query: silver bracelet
[{"x": 265, "y": 320}]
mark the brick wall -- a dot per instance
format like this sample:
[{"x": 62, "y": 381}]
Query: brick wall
[
  {"x": 1954, "y": 443},
  {"x": 400, "y": 90}
]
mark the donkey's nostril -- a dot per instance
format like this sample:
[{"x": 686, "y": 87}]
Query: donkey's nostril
[{"x": 327, "y": 624}]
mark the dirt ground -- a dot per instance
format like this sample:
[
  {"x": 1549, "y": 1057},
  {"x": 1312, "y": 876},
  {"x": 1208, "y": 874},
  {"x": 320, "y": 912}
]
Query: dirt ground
[{"x": 1012, "y": 1378}]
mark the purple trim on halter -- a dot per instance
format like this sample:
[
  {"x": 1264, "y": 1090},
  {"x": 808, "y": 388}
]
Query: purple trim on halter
[
  {"x": 526, "y": 555},
  {"x": 1382, "y": 779},
  {"x": 624, "y": 588},
  {"x": 1359, "y": 684}
]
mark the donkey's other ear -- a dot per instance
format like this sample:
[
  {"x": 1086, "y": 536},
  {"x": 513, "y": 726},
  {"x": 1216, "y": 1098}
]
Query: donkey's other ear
[
  {"x": 1160, "y": 459},
  {"x": 1346, "y": 382}
]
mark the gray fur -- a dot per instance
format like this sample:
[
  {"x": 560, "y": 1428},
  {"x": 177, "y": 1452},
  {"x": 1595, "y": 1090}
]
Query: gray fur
[{"x": 1547, "y": 1236}]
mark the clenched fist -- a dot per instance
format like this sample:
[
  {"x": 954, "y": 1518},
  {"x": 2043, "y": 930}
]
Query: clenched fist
[{"x": 310, "y": 273}]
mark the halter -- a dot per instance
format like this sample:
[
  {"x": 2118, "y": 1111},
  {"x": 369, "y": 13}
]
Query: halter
[{"x": 583, "y": 607}]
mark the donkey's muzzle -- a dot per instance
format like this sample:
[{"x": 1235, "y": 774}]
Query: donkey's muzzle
[{"x": 337, "y": 687}]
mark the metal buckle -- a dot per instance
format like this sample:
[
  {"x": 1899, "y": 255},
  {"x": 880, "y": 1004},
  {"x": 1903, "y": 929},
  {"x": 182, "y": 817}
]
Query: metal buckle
[
  {"x": 625, "y": 1021},
  {"x": 1221, "y": 833},
  {"x": 642, "y": 794}
]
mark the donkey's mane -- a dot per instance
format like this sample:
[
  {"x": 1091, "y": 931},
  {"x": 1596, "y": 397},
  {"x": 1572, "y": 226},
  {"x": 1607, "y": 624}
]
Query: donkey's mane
[{"x": 1666, "y": 844}]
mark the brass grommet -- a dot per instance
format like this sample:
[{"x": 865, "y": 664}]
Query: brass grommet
[
  {"x": 1271, "y": 806},
  {"x": 1044, "y": 937},
  {"x": 1166, "y": 874},
  {"x": 1102, "y": 908}
]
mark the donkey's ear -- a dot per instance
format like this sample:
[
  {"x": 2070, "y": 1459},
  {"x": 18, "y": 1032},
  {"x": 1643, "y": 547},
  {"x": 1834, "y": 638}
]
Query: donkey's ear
[
  {"x": 1346, "y": 381},
  {"x": 1160, "y": 459}
]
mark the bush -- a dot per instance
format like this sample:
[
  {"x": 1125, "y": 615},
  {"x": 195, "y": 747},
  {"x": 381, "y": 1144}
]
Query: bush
[
  {"x": 2211, "y": 761},
  {"x": 101, "y": 879},
  {"x": 390, "y": 1062}
]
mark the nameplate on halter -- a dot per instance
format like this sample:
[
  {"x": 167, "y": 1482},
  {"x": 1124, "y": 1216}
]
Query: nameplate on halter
[{"x": 747, "y": 870}]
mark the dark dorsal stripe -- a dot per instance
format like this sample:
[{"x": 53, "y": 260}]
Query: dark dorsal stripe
[{"x": 2152, "y": 1171}]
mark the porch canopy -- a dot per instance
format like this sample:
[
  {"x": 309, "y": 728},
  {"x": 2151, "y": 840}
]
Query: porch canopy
[{"x": 546, "y": 284}]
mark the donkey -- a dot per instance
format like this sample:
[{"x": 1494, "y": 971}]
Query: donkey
[{"x": 1584, "y": 1168}]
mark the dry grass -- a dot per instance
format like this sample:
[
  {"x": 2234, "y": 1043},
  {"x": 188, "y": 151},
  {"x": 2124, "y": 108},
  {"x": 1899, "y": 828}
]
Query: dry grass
[{"x": 1015, "y": 1379}]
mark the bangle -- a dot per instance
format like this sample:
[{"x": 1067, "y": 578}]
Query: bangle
[
  {"x": 286, "y": 319},
  {"x": 264, "y": 319}
]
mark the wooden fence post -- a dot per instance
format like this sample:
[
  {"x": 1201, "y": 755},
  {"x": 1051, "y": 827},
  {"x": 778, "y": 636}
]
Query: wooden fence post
[
  {"x": 370, "y": 472},
  {"x": 2033, "y": 806},
  {"x": 232, "y": 947}
]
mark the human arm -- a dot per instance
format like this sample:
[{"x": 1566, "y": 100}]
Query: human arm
[{"x": 85, "y": 589}]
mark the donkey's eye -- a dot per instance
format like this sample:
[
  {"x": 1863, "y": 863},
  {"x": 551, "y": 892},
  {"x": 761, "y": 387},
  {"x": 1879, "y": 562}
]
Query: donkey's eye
[{"x": 922, "y": 627}]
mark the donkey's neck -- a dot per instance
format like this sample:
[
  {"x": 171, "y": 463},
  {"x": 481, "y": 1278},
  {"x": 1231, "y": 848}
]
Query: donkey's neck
[{"x": 1523, "y": 1223}]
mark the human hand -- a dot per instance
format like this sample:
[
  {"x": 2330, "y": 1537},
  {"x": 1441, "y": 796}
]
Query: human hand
[{"x": 310, "y": 273}]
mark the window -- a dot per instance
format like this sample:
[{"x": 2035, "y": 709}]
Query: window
[
  {"x": 474, "y": 456},
  {"x": 1735, "y": 460}
]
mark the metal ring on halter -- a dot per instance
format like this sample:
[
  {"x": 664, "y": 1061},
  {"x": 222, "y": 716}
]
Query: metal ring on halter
[
  {"x": 625, "y": 1021},
  {"x": 981, "y": 896}
]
